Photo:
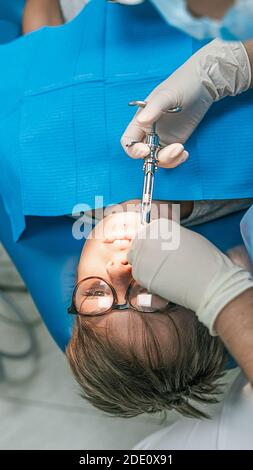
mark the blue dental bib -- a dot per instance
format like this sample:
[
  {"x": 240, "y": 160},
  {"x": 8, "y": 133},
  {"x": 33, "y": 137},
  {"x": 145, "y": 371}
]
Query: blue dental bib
[{"x": 64, "y": 96}]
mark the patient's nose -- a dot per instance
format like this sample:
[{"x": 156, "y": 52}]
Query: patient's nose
[{"x": 119, "y": 272}]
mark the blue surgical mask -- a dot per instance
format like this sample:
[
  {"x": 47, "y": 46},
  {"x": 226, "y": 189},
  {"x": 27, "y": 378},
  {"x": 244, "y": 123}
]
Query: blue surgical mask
[{"x": 237, "y": 24}]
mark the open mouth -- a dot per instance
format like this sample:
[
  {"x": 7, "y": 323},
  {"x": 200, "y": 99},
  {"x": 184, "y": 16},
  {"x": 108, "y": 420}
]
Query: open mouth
[
  {"x": 121, "y": 229},
  {"x": 120, "y": 237},
  {"x": 120, "y": 242}
]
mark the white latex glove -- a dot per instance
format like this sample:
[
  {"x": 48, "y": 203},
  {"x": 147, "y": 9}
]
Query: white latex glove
[
  {"x": 217, "y": 70},
  {"x": 197, "y": 275}
]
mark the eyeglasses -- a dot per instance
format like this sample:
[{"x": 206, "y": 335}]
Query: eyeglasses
[{"x": 93, "y": 296}]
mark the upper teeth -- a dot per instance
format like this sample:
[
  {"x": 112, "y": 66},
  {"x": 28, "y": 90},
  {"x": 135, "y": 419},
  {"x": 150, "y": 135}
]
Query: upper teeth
[{"x": 120, "y": 242}]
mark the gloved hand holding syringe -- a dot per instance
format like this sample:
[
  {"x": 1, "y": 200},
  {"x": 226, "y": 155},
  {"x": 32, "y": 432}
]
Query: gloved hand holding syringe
[{"x": 150, "y": 164}]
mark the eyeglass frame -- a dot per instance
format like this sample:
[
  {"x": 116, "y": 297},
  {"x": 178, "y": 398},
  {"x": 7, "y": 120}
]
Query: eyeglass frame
[{"x": 72, "y": 310}]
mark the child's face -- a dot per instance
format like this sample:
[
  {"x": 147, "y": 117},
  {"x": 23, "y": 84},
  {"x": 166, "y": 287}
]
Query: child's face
[
  {"x": 105, "y": 251},
  {"x": 105, "y": 256}
]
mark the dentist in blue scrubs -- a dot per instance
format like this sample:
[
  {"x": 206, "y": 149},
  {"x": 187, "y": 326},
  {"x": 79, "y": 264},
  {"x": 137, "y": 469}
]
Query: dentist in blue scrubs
[{"x": 197, "y": 275}]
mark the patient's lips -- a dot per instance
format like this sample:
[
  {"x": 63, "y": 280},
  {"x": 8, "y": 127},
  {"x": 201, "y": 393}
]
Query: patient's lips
[
  {"x": 121, "y": 244},
  {"x": 120, "y": 229},
  {"x": 120, "y": 239}
]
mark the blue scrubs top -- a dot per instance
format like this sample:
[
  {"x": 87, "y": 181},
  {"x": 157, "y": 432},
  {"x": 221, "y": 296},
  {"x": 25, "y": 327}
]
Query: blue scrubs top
[{"x": 64, "y": 96}]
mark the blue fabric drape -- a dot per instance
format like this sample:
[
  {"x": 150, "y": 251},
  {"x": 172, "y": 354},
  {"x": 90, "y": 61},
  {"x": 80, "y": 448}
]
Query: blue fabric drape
[{"x": 64, "y": 93}]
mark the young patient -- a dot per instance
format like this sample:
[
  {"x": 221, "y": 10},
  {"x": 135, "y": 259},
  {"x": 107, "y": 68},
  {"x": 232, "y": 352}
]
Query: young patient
[
  {"x": 149, "y": 356},
  {"x": 131, "y": 352}
]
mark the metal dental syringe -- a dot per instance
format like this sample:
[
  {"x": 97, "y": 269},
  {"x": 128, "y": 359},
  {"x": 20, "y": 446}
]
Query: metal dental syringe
[{"x": 150, "y": 165}]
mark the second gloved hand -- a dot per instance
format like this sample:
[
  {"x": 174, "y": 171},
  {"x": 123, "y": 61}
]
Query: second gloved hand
[
  {"x": 217, "y": 70},
  {"x": 196, "y": 275}
]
